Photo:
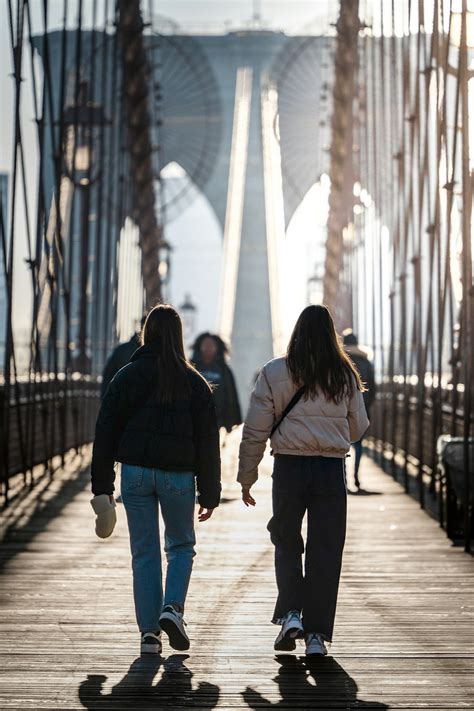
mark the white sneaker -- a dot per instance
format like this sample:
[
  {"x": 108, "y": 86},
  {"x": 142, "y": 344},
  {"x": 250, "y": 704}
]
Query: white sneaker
[
  {"x": 171, "y": 622},
  {"x": 291, "y": 630},
  {"x": 315, "y": 645},
  {"x": 151, "y": 643}
]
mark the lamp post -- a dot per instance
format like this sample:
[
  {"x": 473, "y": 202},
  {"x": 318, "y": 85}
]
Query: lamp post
[
  {"x": 188, "y": 312},
  {"x": 80, "y": 120},
  {"x": 164, "y": 261},
  {"x": 315, "y": 285}
]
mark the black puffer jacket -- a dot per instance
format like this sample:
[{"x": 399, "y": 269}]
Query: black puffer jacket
[
  {"x": 133, "y": 428},
  {"x": 225, "y": 394},
  {"x": 366, "y": 370}
]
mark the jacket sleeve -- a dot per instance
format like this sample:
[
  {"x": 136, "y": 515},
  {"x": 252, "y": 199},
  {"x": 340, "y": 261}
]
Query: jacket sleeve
[
  {"x": 110, "y": 424},
  {"x": 233, "y": 415},
  {"x": 206, "y": 440},
  {"x": 109, "y": 372},
  {"x": 357, "y": 416},
  {"x": 371, "y": 385},
  {"x": 257, "y": 428}
]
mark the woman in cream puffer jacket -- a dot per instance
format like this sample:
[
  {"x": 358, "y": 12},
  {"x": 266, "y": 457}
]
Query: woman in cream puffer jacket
[
  {"x": 313, "y": 427},
  {"x": 310, "y": 444}
]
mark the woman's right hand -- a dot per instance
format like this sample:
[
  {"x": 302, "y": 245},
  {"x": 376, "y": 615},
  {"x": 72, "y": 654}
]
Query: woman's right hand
[
  {"x": 247, "y": 497},
  {"x": 204, "y": 514}
]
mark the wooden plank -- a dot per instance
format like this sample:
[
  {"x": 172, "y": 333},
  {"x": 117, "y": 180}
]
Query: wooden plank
[{"x": 68, "y": 640}]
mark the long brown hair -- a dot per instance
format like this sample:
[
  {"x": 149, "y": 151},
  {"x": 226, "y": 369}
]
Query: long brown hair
[
  {"x": 163, "y": 331},
  {"x": 316, "y": 359}
]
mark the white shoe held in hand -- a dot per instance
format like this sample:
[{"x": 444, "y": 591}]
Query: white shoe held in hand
[{"x": 106, "y": 517}]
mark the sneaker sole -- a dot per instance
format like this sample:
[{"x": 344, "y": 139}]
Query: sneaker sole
[
  {"x": 150, "y": 649},
  {"x": 319, "y": 653},
  {"x": 177, "y": 640},
  {"x": 288, "y": 642}
]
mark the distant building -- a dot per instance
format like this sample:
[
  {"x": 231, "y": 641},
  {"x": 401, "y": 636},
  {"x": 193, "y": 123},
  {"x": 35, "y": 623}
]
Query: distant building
[{"x": 3, "y": 286}]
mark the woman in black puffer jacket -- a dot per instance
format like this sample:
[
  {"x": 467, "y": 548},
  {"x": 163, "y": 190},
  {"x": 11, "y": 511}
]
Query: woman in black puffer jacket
[
  {"x": 158, "y": 418},
  {"x": 209, "y": 356}
]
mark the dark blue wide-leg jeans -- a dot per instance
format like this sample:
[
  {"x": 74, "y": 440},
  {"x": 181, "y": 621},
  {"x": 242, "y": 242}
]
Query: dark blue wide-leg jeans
[{"x": 316, "y": 486}]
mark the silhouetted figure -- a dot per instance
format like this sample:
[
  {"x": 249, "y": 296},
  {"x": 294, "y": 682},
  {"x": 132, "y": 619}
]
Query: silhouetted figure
[
  {"x": 361, "y": 360},
  {"x": 137, "y": 690},
  {"x": 331, "y": 686},
  {"x": 119, "y": 357},
  {"x": 311, "y": 406},
  {"x": 209, "y": 357}
]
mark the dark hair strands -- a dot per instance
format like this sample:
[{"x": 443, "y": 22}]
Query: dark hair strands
[
  {"x": 163, "y": 331},
  {"x": 316, "y": 359}
]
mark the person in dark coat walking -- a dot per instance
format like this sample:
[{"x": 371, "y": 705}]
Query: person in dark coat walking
[
  {"x": 158, "y": 419},
  {"x": 361, "y": 360},
  {"x": 119, "y": 357},
  {"x": 209, "y": 357}
]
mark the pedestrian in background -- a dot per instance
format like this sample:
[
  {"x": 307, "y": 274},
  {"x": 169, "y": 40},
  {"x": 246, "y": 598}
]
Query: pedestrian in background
[
  {"x": 119, "y": 357},
  {"x": 366, "y": 370},
  {"x": 209, "y": 356},
  {"x": 310, "y": 404},
  {"x": 158, "y": 419}
]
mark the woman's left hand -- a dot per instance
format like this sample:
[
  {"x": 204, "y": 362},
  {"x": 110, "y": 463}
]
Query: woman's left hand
[{"x": 247, "y": 498}]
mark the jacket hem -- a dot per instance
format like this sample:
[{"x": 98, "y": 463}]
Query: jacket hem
[
  {"x": 311, "y": 452},
  {"x": 166, "y": 468}
]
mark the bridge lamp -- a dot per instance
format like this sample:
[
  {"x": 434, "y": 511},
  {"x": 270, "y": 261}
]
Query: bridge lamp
[
  {"x": 315, "y": 289},
  {"x": 164, "y": 253},
  {"x": 82, "y": 121},
  {"x": 188, "y": 311}
]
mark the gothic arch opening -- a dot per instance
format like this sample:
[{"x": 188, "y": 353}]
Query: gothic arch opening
[
  {"x": 196, "y": 239},
  {"x": 303, "y": 252}
]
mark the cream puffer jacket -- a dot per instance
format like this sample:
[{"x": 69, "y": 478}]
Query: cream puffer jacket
[{"x": 314, "y": 427}]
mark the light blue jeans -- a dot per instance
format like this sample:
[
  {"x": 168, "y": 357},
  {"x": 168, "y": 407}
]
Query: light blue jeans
[{"x": 142, "y": 491}]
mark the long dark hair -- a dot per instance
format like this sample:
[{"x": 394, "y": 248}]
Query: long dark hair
[
  {"x": 316, "y": 359},
  {"x": 163, "y": 331}
]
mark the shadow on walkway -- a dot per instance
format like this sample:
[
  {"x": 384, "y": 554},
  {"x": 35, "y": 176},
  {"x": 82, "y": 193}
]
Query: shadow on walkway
[
  {"x": 136, "y": 690},
  {"x": 363, "y": 492},
  {"x": 311, "y": 684},
  {"x": 39, "y": 511}
]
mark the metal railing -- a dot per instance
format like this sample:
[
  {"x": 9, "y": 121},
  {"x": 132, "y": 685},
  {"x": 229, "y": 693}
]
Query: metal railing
[
  {"x": 407, "y": 437},
  {"x": 44, "y": 420}
]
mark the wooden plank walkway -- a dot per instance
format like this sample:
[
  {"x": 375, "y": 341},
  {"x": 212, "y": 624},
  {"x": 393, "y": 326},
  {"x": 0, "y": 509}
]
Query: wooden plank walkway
[{"x": 404, "y": 630}]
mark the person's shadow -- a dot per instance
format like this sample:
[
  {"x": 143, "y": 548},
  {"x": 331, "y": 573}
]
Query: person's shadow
[
  {"x": 311, "y": 683},
  {"x": 363, "y": 492},
  {"x": 136, "y": 689}
]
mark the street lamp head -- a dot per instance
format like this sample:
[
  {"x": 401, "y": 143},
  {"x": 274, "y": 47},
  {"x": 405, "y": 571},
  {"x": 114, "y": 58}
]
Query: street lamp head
[{"x": 81, "y": 120}]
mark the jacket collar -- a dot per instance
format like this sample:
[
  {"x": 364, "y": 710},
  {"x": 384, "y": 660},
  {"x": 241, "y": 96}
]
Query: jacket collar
[
  {"x": 356, "y": 351},
  {"x": 145, "y": 351}
]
